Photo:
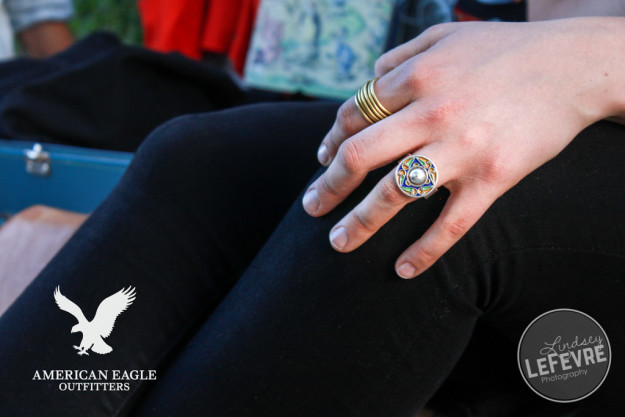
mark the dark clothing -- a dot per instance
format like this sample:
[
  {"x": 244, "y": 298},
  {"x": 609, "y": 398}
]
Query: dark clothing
[
  {"x": 245, "y": 309},
  {"x": 106, "y": 95},
  {"x": 510, "y": 11}
]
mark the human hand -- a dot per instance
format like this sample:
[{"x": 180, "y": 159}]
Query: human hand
[{"x": 487, "y": 102}]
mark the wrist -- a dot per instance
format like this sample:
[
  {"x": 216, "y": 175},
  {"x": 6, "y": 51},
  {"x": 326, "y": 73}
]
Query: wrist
[{"x": 602, "y": 60}]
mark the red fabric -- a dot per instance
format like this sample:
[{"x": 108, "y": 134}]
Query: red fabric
[
  {"x": 172, "y": 25},
  {"x": 193, "y": 26},
  {"x": 462, "y": 16},
  {"x": 228, "y": 28}
]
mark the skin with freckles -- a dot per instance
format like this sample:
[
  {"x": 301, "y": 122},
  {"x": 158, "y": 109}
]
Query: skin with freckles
[{"x": 487, "y": 102}]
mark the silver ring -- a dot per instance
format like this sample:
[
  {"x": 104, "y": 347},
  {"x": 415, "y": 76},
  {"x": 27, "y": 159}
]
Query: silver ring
[{"x": 416, "y": 176}]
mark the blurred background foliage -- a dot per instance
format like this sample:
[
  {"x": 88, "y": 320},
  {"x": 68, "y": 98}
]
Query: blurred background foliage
[{"x": 118, "y": 16}]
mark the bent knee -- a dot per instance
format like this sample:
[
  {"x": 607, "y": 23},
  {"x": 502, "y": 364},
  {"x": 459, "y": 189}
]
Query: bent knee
[{"x": 181, "y": 151}]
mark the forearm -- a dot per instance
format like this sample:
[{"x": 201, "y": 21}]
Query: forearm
[
  {"x": 602, "y": 38},
  {"x": 45, "y": 39},
  {"x": 40, "y": 25},
  {"x": 609, "y": 65},
  {"x": 558, "y": 9}
]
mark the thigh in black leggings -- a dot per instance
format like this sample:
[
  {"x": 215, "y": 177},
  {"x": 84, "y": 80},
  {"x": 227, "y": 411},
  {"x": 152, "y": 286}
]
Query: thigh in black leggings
[
  {"x": 200, "y": 198},
  {"x": 302, "y": 329},
  {"x": 308, "y": 331}
]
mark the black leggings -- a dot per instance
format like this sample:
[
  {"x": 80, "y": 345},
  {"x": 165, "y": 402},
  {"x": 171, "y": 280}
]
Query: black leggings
[{"x": 244, "y": 309}]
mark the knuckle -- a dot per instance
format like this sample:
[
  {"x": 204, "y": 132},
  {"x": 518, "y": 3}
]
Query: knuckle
[
  {"x": 466, "y": 141},
  {"x": 328, "y": 187},
  {"x": 415, "y": 80},
  {"x": 345, "y": 117},
  {"x": 475, "y": 136},
  {"x": 351, "y": 155},
  {"x": 363, "y": 221},
  {"x": 424, "y": 73},
  {"x": 439, "y": 29},
  {"x": 390, "y": 194},
  {"x": 455, "y": 228},
  {"x": 494, "y": 169},
  {"x": 424, "y": 256},
  {"x": 382, "y": 64},
  {"x": 442, "y": 113}
]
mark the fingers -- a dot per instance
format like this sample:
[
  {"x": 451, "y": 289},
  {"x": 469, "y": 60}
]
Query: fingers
[
  {"x": 389, "y": 90},
  {"x": 382, "y": 143},
  {"x": 396, "y": 56},
  {"x": 380, "y": 206},
  {"x": 462, "y": 210}
]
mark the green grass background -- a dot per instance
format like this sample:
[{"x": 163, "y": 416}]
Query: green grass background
[{"x": 118, "y": 16}]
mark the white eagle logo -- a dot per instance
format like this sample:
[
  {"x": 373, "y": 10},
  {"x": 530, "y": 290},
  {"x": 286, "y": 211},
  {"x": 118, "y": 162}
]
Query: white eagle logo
[{"x": 102, "y": 324}]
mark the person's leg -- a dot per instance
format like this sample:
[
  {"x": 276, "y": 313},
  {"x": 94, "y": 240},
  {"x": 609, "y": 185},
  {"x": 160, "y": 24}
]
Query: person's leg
[
  {"x": 310, "y": 332},
  {"x": 105, "y": 95},
  {"x": 202, "y": 195}
]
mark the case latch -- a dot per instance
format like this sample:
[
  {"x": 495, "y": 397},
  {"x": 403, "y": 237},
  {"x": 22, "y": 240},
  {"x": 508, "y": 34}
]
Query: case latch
[{"x": 37, "y": 161}]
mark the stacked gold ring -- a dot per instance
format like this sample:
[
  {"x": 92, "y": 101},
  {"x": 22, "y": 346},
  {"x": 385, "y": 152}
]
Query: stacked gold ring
[{"x": 368, "y": 103}]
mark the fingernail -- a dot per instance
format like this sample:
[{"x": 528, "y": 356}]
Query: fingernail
[
  {"x": 406, "y": 270},
  {"x": 322, "y": 155},
  {"x": 311, "y": 201},
  {"x": 338, "y": 238}
]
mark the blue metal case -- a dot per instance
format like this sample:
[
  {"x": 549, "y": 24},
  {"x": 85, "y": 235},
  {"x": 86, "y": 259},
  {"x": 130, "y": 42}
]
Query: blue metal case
[{"x": 65, "y": 177}]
